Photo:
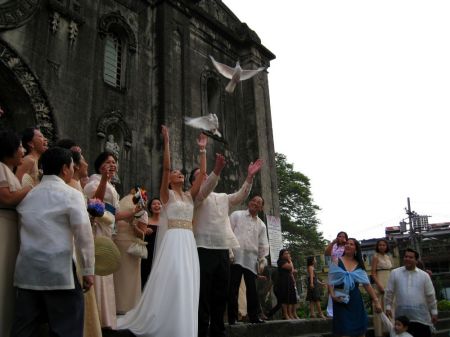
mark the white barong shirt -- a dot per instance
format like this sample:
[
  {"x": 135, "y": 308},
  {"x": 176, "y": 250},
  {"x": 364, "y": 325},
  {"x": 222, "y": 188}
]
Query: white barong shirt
[{"x": 52, "y": 218}]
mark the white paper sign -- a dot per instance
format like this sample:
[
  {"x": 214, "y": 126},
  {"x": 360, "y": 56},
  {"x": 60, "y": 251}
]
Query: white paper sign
[{"x": 275, "y": 237}]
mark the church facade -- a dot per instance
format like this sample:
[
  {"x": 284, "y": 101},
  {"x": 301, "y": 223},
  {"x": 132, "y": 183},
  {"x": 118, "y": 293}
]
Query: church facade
[{"x": 108, "y": 73}]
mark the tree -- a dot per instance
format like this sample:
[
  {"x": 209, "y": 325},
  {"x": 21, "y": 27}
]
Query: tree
[{"x": 298, "y": 212}]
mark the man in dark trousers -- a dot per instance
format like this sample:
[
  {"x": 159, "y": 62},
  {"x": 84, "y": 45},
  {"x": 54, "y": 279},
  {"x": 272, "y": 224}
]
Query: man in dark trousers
[
  {"x": 249, "y": 258},
  {"x": 215, "y": 239}
]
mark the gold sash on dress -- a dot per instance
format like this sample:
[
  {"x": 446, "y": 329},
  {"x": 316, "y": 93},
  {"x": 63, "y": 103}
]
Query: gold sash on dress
[{"x": 182, "y": 224}]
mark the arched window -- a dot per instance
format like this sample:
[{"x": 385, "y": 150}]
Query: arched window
[
  {"x": 120, "y": 43},
  {"x": 114, "y": 66}
]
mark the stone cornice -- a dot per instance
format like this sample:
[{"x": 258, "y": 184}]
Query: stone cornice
[
  {"x": 243, "y": 35},
  {"x": 66, "y": 12}
]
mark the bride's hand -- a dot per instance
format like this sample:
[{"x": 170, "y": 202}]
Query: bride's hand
[
  {"x": 202, "y": 140},
  {"x": 165, "y": 133}
]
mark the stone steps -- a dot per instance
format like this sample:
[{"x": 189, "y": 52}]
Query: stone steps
[
  {"x": 278, "y": 328},
  {"x": 311, "y": 328}
]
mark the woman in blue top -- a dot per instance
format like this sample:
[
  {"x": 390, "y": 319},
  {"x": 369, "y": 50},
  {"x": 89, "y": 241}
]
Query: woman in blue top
[{"x": 350, "y": 317}]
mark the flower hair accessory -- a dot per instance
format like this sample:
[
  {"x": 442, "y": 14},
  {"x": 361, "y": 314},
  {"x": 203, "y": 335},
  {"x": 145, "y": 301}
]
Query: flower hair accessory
[{"x": 95, "y": 207}]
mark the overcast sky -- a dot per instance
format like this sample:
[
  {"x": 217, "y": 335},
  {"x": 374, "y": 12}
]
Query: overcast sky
[{"x": 360, "y": 100}]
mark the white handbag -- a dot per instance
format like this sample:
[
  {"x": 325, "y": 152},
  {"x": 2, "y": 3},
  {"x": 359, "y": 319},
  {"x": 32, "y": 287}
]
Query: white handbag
[{"x": 138, "y": 248}]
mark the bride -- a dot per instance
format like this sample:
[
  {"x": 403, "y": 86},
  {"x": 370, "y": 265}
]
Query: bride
[{"x": 169, "y": 304}]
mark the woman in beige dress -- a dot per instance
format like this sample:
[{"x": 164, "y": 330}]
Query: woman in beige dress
[
  {"x": 127, "y": 280},
  {"x": 381, "y": 269},
  {"x": 100, "y": 187},
  {"x": 91, "y": 319},
  {"x": 11, "y": 193},
  {"x": 35, "y": 145}
]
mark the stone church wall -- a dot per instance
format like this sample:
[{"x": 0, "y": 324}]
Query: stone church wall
[{"x": 167, "y": 74}]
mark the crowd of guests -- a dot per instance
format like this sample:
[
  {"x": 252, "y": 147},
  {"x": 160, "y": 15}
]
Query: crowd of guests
[
  {"x": 403, "y": 299},
  {"x": 51, "y": 245},
  {"x": 195, "y": 250}
]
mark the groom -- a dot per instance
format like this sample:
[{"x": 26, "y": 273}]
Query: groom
[{"x": 215, "y": 239}]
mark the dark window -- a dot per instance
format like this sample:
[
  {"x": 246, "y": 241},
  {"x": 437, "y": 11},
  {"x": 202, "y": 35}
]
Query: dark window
[{"x": 113, "y": 61}]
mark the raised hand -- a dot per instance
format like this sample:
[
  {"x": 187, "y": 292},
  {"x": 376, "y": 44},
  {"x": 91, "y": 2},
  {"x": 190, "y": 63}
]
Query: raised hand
[
  {"x": 165, "y": 133},
  {"x": 254, "y": 167},
  {"x": 220, "y": 163},
  {"x": 106, "y": 171},
  {"x": 202, "y": 140}
]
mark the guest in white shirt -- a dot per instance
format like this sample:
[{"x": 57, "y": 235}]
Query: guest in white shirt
[
  {"x": 53, "y": 218},
  {"x": 249, "y": 258},
  {"x": 214, "y": 237},
  {"x": 414, "y": 296}
]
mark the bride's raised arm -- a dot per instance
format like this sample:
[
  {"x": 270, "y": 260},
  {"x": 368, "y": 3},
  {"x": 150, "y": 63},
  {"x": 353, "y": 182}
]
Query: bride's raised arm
[
  {"x": 202, "y": 140},
  {"x": 164, "y": 189}
]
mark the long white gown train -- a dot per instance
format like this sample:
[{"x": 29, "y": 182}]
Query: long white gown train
[{"x": 169, "y": 303}]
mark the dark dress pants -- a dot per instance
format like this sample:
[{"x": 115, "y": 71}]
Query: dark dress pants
[
  {"x": 236, "y": 273},
  {"x": 419, "y": 330},
  {"x": 63, "y": 309},
  {"x": 214, "y": 277}
]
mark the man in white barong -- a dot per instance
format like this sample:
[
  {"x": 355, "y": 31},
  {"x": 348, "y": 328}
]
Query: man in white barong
[
  {"x": 215, "y": 239},
  {"x": 53, "y": 220},
  {"x": 249, "y": 258},
  {"x": 412, "y": 291}
]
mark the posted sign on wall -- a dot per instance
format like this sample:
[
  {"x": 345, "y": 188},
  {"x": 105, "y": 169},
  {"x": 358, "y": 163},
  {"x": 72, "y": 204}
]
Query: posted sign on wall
[{"x": 275, "y": 237}]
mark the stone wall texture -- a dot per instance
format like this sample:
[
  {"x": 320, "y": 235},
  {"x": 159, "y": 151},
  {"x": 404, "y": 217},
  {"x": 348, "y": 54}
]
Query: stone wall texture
[{"x": 51, "y": 75}]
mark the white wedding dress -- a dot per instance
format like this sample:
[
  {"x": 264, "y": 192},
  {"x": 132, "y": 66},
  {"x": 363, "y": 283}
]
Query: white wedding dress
[{"x": 169, "y": 303}]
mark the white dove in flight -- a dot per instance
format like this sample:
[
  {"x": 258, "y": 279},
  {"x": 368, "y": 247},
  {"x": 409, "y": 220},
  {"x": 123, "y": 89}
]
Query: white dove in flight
[
  {"x": 207, "y": 123},
  {"x": 235, "y": 75}
]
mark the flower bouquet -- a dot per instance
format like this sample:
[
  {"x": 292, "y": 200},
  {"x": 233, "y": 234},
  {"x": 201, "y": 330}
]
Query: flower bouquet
[
  {"x": 95, "y": 208},
  {"x": 140, "y": 198}
]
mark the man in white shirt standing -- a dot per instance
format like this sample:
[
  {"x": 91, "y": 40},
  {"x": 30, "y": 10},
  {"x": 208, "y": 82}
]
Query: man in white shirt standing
[
  {"x": 52, "y": 218},
  {"x": 414, "y": 296},
  {"x": 215, "y": 238},
  {"x": 251, "y": 233}
]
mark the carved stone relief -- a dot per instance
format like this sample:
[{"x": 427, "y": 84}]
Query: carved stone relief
[
  {"x": 15, "y": 13},
  {"x": 114, "y": 119},
  {"x": 71, "y": 10},
  {"x": 55, "y": 19},
  {"x": 116, "y": 138},
  {"x": 30, "y": 83},
  {"x": 73, "y": 31}
]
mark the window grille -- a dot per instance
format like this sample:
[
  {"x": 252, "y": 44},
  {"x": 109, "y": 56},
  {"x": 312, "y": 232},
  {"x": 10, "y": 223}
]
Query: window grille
[{"x": 112, "y": 73}]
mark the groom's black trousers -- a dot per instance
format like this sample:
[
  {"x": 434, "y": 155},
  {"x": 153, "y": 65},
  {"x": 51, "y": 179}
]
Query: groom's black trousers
[{"x": 214, "y": 279}]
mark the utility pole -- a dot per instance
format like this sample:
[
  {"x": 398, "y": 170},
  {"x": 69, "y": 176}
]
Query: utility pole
[
  {"x": 416, "y": 224},
  {"x": 412, "y": 233}
]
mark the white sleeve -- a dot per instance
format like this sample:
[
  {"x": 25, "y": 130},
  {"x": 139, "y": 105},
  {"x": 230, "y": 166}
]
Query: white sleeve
[{"x": 82, "y": 232}]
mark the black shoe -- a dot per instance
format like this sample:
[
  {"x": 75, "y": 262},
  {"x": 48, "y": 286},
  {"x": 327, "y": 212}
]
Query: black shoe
[
  {"x": 257, "y": 321},
  {"x": 233, "y": 322}
]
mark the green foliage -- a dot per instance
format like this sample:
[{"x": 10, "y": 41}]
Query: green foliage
[
  {"x": 367, "y": 301},
  {"x": 443, "y": 305},
  {"x": 298, "y": 212}
]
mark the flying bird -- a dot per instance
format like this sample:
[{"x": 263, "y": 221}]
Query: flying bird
[
  {"x": 208, "y": 124},
  {"x": 235, "y": 75}
]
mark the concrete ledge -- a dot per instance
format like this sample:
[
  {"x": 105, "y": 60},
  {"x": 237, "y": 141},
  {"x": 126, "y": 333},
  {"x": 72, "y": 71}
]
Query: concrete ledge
[{"x": 281, "y": 328}]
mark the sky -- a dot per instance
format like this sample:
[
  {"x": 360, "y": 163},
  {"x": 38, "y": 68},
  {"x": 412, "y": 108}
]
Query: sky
[{"x": 360, "y": 102}]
